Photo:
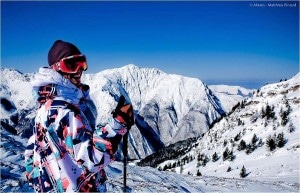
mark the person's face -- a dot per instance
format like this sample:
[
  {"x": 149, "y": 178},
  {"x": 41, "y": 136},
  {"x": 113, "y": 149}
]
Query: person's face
[
  {"x": 75, "y": 78},
  {"x": 72, "y": 67}
]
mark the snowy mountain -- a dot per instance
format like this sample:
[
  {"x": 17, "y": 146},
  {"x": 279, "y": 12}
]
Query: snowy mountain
[
  {"x": 17, "y": 104},
  {"x": 168, "y": 108},
  {"x": 260, "y": 134},
  {"x": 149, "y": 91}
]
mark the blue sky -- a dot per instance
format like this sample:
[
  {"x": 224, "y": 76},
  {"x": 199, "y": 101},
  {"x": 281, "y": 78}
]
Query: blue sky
[{"x": 229, "y": 41}]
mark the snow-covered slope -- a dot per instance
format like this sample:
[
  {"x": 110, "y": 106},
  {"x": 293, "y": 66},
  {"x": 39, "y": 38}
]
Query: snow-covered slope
[
  {"x": 139, "y": 179},
  {"x": 272, "y": 113},
  {"x": 148, "y": 179}
]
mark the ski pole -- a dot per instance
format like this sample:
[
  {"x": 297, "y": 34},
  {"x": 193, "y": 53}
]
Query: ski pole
[{"x": 125, "y": 143}]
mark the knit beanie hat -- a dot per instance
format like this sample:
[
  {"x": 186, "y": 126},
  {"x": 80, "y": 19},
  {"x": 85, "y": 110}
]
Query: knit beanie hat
[{"x": 61, "y": 49}]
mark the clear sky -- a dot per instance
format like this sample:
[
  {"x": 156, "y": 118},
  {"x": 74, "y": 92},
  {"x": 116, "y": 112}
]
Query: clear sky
[{"x": 218, "y": 40}]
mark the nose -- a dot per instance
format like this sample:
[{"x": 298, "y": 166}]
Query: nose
[{"x": 80, "y": 70}]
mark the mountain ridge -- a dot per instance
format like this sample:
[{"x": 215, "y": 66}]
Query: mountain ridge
[{"x": 168, "y": 107}]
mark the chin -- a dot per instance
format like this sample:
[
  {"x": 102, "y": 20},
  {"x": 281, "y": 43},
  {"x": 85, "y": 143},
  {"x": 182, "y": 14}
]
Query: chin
[{"x": 76, "y": 83}]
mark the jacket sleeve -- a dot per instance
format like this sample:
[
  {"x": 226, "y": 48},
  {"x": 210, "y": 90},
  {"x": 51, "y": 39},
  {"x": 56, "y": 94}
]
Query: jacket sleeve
[
  {"x": 93, "y": 148},
  {"x": 108, "y": 136}
]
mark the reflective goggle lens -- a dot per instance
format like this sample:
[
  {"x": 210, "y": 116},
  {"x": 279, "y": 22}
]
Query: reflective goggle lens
[{"x": 72, "y": 64}]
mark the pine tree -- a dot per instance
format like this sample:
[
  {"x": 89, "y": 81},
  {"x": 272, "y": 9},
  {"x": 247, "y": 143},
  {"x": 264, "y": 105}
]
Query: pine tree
[
  {"x": 269, "y": 112},
  {"x": 284, "y": 117},
  {"x": 271, "y": 143},
  {"x": 230, "y": 155},
  {"x": 242, "y": 145},
  {"x": 237, "y": 137},
  {"x": 280, "y": 140},
  {"x": 254, "y": 139},
  {"x": 199, "y": 157},
  {"x": 225, "y": 154},
  {"x": 291, "y": 128},
  {"x": 242, "y": 104},
  {"x": 174, "y": 165},
  {"x": 249, "y": 149},
  {"x": 240, "y": 122},
  {"x": 243, "y": 172},
  {"x": 229, "y": 169},
  {"x": 287, "y": 105},
  {"x": 225, "y": 142},
  {"x": 205, "y": 160},
  {"x": 215, "y": 157},
  {"x": 165, "y": 168},
  {"x": 181, "y": 169},
  {"x": 198, "y": 173}
]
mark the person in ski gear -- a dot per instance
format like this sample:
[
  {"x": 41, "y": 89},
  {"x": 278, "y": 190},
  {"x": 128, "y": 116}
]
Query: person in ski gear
[{"x": 68, "y": 151}]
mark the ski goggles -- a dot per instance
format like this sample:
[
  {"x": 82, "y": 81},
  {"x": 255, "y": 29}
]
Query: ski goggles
[{"x": 71, "y": 64}]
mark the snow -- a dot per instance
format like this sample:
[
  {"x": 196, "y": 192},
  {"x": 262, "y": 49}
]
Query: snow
[
  {"x": 230, "y": 94},
  {"x": 16, "y": 86},
  {"x": 172, "y": 106},
  {"x": 278, "y": 166}
]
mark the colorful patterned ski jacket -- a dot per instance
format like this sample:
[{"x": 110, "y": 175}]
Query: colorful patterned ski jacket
[{"x": 66, "y": 152}]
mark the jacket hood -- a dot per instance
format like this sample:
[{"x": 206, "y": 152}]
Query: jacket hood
[{"x": 64, "y": 88}]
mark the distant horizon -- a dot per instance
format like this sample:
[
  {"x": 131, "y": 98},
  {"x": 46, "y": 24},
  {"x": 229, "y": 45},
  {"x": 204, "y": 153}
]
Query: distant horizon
[{"x": 248, "y": 84}]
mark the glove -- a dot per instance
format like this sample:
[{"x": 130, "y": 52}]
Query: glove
[{"x": 124, "y": 113}]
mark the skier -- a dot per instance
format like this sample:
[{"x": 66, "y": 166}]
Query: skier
[{"x": 67, "y": 151}]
